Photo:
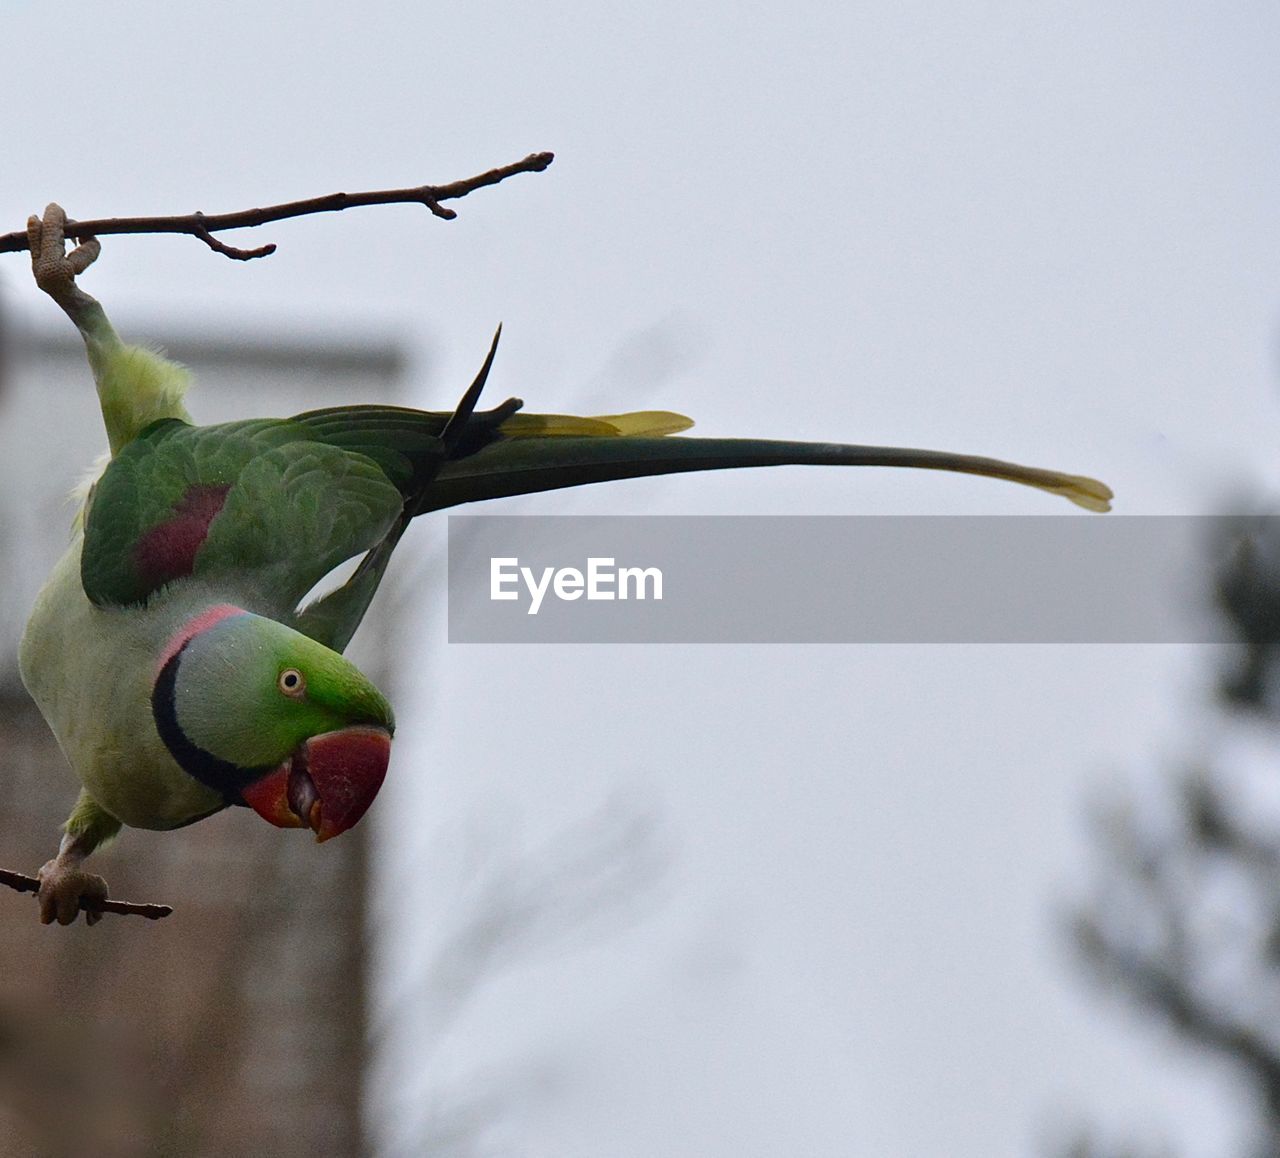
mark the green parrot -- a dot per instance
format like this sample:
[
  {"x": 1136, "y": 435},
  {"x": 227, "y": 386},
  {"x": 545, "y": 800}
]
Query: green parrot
[{"x": 167, "y": 650}]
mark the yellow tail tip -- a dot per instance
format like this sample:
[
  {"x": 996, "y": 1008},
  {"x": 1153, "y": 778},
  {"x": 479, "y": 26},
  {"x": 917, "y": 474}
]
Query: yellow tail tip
[{"x": 1080, "y": 489}]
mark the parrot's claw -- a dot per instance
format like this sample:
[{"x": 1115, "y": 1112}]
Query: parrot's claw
[
  {"x": 55, "y": 270},
  {"x": 62, "y": 885}
]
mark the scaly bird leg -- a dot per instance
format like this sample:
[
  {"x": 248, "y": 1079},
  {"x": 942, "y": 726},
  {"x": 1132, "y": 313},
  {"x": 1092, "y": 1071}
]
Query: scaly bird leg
[
  {"x": 62, "y": 881},
  {"x": 136, "y": 387},
  {"x": 55, "y": 270}
]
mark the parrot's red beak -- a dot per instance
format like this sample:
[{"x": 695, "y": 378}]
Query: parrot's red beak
[{"x": 327, "y": 784}]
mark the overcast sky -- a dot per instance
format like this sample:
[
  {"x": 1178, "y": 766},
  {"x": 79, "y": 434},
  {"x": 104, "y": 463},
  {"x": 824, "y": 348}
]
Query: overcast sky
[{"x": 1044, "y": 232}]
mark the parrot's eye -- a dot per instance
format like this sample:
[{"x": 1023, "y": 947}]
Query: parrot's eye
[{"x": 292, "y": 683}]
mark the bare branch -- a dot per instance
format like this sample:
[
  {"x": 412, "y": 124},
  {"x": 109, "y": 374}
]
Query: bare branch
[
  {"x": 26, "y": 884},
  {"x": 203, "y": 225}
]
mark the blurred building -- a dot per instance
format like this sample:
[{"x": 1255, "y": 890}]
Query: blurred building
[{"x": 237, "y": 1025}]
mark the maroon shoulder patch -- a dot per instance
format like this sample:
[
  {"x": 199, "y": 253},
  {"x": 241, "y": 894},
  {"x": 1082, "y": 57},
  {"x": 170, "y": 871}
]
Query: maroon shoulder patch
[{"x": 168, "y": 550}]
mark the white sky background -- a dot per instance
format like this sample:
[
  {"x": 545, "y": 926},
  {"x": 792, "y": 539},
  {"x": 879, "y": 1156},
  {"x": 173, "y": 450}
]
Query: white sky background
[{"x": 1042, "y": 232}]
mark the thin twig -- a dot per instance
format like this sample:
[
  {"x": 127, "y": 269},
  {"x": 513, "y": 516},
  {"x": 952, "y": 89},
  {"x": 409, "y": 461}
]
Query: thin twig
[
  {"x": 203, "y": 226},
  {"x": 26, "y": 884}
]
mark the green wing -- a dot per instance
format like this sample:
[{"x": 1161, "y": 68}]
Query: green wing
[{"x": 261, "y": 507}]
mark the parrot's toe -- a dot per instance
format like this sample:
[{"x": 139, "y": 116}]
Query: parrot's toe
[{"x": 61, "y": 889}]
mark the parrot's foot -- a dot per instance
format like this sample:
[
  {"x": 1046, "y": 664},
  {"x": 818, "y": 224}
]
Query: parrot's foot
[
  {"x": 62, "y": 885},
  {"x": 54, "y": 269}
]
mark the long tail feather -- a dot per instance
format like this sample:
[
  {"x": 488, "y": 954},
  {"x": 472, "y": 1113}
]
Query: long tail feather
[{"x": 526, "y": 465}]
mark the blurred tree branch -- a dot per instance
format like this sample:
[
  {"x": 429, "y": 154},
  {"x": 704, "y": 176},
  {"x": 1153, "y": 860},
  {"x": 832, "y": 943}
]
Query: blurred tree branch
[
  {"x": 591, "y": 877},
  {"x": 204, "y": 226},
  {"x": 1185, "y": 917}
]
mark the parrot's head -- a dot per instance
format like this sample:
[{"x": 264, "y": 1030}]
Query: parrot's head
[{"x": 272, "y": 719}]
